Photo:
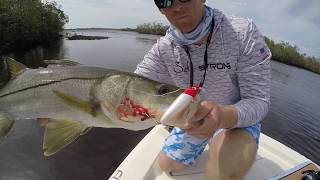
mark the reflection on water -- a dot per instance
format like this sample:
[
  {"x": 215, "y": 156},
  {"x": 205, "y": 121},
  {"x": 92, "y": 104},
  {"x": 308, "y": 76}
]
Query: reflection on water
[
  {"x": 93, "y": 156},
  {"x": 34, "y": 58},
  {"x": 145, "y": 40},
  {"x": 293, "y": 119}
]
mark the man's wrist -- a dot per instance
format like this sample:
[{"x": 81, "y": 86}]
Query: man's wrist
[{"x": 229, "y": 117}]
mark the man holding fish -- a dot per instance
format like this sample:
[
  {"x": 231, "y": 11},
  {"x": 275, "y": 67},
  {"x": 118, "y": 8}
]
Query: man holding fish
[{"x": 228, "y": 59}]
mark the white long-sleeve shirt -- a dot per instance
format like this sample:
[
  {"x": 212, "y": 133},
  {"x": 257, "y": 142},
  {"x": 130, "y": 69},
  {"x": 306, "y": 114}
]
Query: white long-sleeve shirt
[{"x": 238, "y": 67}]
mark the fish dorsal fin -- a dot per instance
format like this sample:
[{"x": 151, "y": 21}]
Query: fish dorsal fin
[
  {"x": 6, "y": 123},
  {"x": 14, "y": 67},
  {"x": 60, "y": 133},
  {"x": 61, "y": 62},
  {"x": 76, "y": 103}
]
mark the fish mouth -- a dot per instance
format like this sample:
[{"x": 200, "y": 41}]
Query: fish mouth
[{"x": 129, "y": 111}]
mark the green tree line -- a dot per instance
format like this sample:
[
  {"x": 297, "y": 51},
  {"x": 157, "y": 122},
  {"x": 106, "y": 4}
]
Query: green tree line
[
  {"x": 289, "y": 54},
  {"x": 152, "y": 28},
  {"x": 26, "y": 23},
  {"x": 282, "y": 52}
]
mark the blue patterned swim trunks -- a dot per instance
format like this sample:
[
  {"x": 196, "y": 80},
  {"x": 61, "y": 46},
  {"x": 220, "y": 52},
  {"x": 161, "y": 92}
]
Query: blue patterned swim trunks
[{"x": 185, "y": 149}]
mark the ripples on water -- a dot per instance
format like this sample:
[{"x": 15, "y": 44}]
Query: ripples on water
[
  {"x": 294, "y": 116},
  {"x": 293, "y": 119}
]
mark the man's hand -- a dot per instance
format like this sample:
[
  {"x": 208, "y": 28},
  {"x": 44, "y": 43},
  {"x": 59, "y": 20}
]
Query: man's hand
[{"x": 209, "y": 118}]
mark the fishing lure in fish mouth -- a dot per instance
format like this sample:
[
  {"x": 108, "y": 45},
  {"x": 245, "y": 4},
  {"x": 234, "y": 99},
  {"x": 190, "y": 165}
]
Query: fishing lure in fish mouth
[
  {"x": 129, "y": 108},
  {"x": 180, "y": 103}
]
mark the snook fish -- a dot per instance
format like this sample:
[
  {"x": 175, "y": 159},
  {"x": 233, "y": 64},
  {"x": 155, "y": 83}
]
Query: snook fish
[{"x": 75, "y": 98}]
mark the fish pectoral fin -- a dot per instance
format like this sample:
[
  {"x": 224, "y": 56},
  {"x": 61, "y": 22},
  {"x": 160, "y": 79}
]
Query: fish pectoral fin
[
  {"x": 61, "y": 62},
  {"x": 6, "y": 123},
  {"x": 86, "y": 130},
  {"x": 60, "y": 133},
  {"x": 77, "y": 103}
]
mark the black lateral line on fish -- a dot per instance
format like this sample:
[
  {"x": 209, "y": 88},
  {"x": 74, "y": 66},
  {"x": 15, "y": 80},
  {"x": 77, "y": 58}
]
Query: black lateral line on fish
[{"x": 45, "y": 84}]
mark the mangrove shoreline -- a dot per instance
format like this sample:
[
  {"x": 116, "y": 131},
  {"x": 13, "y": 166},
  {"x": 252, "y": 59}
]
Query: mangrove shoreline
[{"x": 29, "y": 23}]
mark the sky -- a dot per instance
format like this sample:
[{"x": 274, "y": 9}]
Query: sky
[{"x": 293, "y": 21}]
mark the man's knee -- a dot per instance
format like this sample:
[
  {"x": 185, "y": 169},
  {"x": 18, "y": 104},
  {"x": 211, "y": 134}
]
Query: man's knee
[
  {"x": 167, "y": 164},
  {"x": 236, "y": 141},
  {"x": 231, "y": 155}
]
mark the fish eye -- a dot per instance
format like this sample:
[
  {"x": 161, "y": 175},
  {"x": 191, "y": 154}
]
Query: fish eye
[{"x": 163, "y": 89}]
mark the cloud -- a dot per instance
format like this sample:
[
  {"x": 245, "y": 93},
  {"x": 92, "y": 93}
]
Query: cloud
[
  {"x": 294, "y": 21},
  {"x": 107, "y": 13}
]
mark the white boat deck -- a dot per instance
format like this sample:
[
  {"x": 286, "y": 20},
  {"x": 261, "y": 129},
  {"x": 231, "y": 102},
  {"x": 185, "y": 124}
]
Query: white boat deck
[{"x": 273, "y": 159}]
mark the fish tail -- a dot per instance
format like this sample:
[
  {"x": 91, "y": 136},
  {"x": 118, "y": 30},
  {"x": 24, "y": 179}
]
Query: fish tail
[
  {"x": 9, "y": 68},
  {"x": 4, "y": 73}
]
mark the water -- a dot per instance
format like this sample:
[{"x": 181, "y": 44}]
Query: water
[
  {"x": 123, "y": 51},
  {"x": 293, "y": 119}
]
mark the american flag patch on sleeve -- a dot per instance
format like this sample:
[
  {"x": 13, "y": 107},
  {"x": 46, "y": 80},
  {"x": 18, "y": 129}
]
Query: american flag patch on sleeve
[{"x": 263, "y": 53}]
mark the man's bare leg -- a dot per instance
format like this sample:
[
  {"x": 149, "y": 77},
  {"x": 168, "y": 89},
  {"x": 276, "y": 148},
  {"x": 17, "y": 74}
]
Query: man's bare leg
[
  {"x": 231, "y": 154},
  {"x": 167, "y": 164}
]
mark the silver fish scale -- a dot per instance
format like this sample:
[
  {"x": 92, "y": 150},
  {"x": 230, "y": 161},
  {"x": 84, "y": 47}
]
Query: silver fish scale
[
  {"x": 37, "y": 77},
  {"x": 42, "y": 102}
]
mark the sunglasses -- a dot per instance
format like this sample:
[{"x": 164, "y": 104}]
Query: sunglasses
[{"x": 167, "y": 3}]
